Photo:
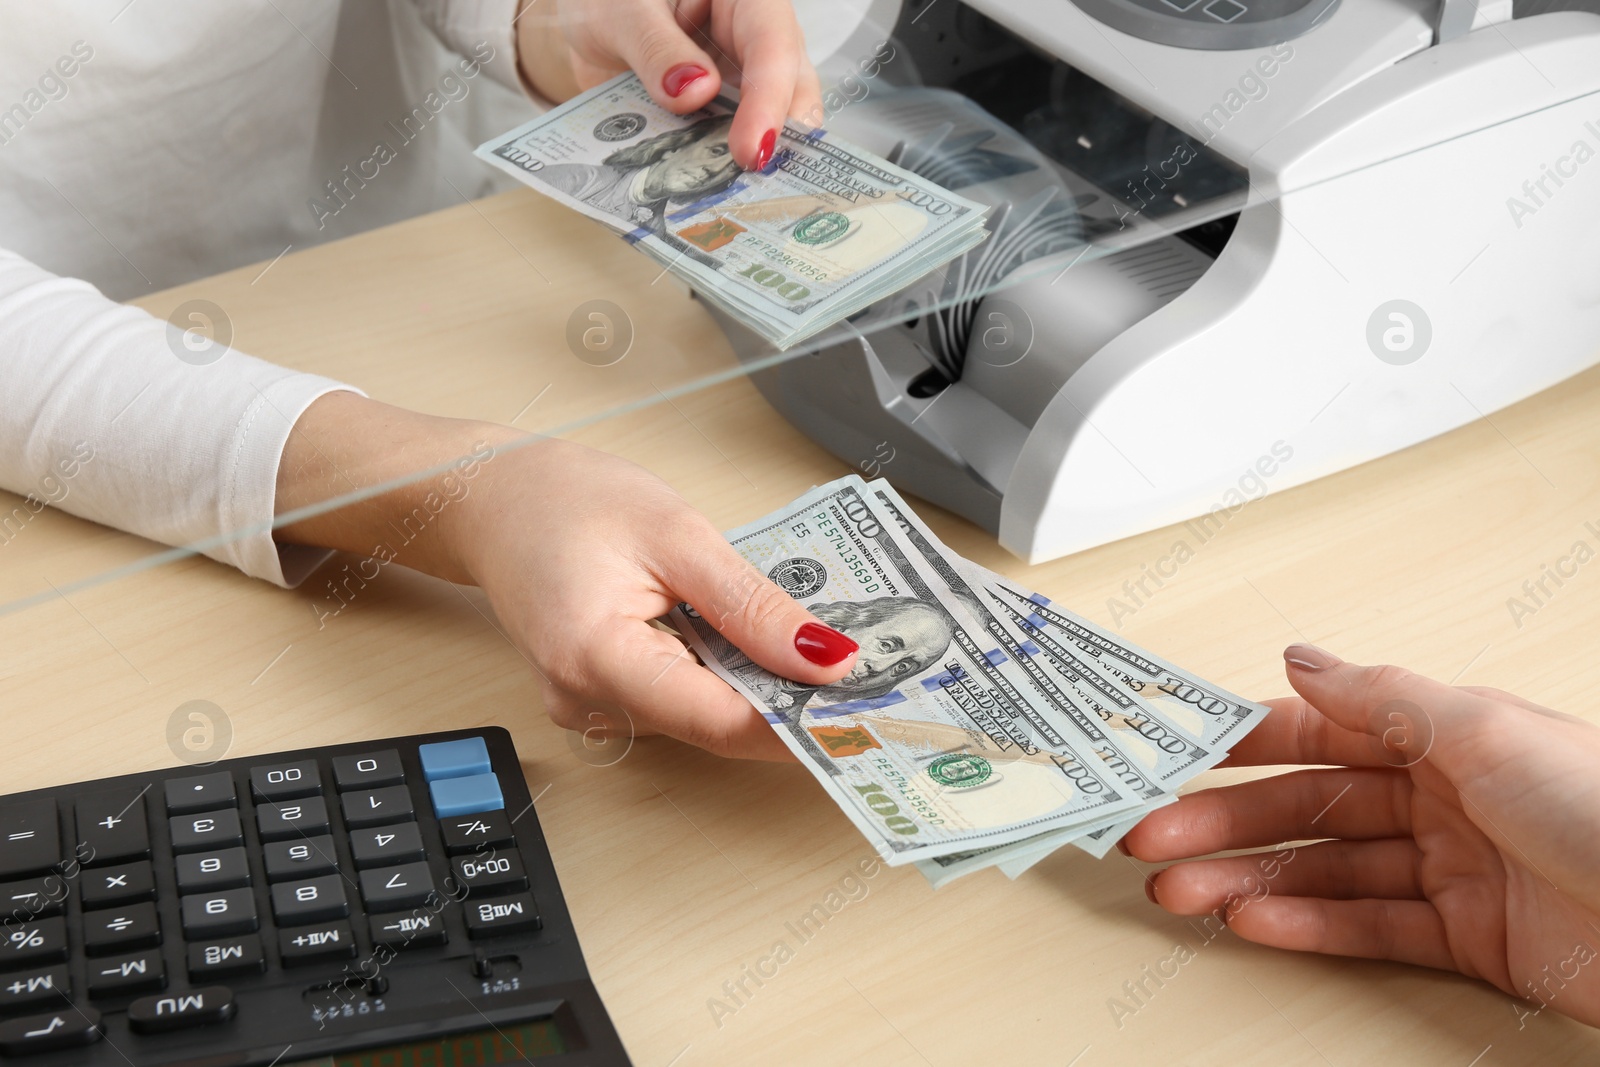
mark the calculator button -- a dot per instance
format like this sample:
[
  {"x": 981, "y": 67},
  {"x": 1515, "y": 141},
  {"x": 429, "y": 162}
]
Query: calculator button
[
  {"x": 121, "y": 929},
  {"x": 205, "y": 792},
  {"x": 30, "y": 837},
  {"x": 375, "y": 807},
  {"x": 309, "y": 901},
  {"x": 127, "y": 974},
  {"x": 466, "y": 796},
  {"x": 112, "y": 827},
  {"x": 194, "y": 1007},
  {"x": 502, "y": 915},
  {"x": 304, "y": 858},
  {"x": 233, "y": 955},
  {"x": 196, "y": 833},
  {"x": 200, "y": 872},
  {"x": 407, "y": 929},
  {"x": 404, "y": 886},
  {"x": 71, "y": 1028},
  {"x": 41, "y": 941},
  {"x": 469, "y": 833},
  {"x": 33, "y": 898},
  {"x": 368, "y": 770},
  {"x": 454, "y": 759},
  {"x": 208, "y": 915},
  {"x": 382, "y": 845},
  {"x": 294, "y": 818},
  {"x": 307, "y": 943},
  {"x": 27, "y": 989},
  {"x": 492, "y": 872},
  {"x": 126, "y": 883},
  {"x": 285, "y": 781}
]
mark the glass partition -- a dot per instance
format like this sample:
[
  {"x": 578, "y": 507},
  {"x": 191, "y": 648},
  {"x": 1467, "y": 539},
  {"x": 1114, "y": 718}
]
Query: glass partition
[{"x": 564, "y": 331}]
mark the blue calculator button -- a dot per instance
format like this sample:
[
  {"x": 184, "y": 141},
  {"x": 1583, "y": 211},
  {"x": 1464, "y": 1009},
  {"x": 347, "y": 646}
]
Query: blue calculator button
[
  {"x": 466, "y": 796},
  {"x": 454, "y": 759}
]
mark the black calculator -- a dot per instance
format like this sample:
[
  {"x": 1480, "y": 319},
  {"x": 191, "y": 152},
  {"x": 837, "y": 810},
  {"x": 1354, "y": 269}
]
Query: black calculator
[{"x": 381, "y": 903}]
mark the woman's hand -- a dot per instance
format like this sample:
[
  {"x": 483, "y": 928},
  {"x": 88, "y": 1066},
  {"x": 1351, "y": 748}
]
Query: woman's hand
[
  {"x": 682, "y": 52},
  {"x": 1465, "y": 827},
  {"x": 577, "y": 551}
]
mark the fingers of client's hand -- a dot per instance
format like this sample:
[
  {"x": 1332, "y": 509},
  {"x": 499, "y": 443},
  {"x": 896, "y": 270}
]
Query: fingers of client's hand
[
  {"x": 1337, "y": 870},
  {"x": 659, "y": 688},
  {"x": 1297, "y": 733},
  {"x": 1413, "y": 717},
  {"x": 1405, "y": 931},
  {"x": 1359, "y": 804},
  {"x": 764, "y": 621}
]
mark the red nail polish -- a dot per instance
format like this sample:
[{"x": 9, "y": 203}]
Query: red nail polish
[
  {"x": 764, "y": 153},
  {"x": 681, "y": 77},
  {"x": 823, "y": 645}
]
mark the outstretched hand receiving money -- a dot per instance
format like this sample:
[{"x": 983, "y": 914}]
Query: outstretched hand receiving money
[
  {"x": 1435, "y": 837},
  {"x": 1460, "y": 830}
]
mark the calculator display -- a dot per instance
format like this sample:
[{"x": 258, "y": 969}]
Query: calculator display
[{"x": 511, "y": 1043}]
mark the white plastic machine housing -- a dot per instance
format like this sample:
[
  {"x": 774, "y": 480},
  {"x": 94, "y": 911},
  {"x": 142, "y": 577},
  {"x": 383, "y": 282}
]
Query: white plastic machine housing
[{"x": 1462, "y": 177}]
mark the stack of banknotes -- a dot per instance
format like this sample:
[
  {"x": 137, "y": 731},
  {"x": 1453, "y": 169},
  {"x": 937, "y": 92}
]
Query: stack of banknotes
[
  {"x": 983, "y": 725},
  {"x": 824, "y": 230}
]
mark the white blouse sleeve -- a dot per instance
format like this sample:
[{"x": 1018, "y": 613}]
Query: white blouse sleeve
[
  {"x": 106, "y": 413},
  {"x": 480, "y": 30}
]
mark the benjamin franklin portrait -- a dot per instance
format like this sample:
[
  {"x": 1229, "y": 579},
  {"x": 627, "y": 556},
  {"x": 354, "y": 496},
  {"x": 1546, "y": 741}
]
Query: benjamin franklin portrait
[{"x": 638, "y": 183}]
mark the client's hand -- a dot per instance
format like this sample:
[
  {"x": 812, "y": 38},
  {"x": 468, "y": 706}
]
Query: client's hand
[
  {"x": 1465, "y": 827},
  {"x": 682, "y": 52},
  {"x": 577, "y": 551}
]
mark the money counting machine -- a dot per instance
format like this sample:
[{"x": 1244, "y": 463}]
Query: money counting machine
[{"x": 1236, "y": 245}]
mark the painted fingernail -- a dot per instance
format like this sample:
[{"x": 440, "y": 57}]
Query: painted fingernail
[
  {"x": 681, "y": 77},
  {"x": 1150, "y": 886},
  {"x": 1308, "y": 657},
  {"x": 764, "y": 153},
  {"x": 823, "y": 645}
]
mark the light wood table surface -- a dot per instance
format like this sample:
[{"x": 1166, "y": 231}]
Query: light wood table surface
[{"x": 683, "y": 870}]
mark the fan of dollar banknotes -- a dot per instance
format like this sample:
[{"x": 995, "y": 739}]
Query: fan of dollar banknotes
[
  {"x": 982, "y": 725},
  {"x": 825, "y": 230}
]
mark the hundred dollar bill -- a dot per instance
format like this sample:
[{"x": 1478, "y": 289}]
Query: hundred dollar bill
[
  {"x": 1221, "y": 718},
  {"x": 1210, "y": 714},
  {"x": 1141, "y": 731},
  {"x": 824, "y": 230},
  {"x": 1150, "y": 772},
  {"x": 925, "y": 745},
  {"x": 1111, "y": 717}
]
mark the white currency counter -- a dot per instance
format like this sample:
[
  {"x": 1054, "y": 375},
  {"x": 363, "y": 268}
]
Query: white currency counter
[{"x": 1233, "y": 245}]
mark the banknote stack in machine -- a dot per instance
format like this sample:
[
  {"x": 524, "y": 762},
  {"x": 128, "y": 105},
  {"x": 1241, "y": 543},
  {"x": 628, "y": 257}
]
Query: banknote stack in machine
[
  {"x": 982, "y": 724},
  {"x": 822, "y": 231}
]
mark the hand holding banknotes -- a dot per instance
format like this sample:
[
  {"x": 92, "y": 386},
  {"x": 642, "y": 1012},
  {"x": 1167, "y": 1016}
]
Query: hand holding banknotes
[
  {"x": 1465, "y": 828},
  {"x": 824, "y": 231},
  {"x": 597, "y": 547},
  {"x": 577, "y": 551},
  {"x": 682, "y": 53}
]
